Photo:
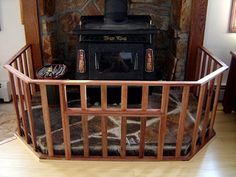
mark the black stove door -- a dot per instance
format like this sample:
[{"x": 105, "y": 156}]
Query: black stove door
[{"x": 116, "y": 61}]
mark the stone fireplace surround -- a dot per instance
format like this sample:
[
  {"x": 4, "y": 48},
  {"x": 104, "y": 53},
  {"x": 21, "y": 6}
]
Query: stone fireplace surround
[{"x": 58, "y": 19}]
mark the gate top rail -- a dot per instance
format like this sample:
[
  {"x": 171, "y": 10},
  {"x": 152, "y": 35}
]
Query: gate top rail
[{"x": 220, "y": 69}]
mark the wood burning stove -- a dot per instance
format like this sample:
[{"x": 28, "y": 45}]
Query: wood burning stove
[{"x": 116, "y": 46}]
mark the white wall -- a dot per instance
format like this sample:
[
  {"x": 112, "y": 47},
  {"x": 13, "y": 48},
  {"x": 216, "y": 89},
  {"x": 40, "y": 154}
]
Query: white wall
[
  {"x": 217, "y": 37},
  {"x": 12, "y": 36}
]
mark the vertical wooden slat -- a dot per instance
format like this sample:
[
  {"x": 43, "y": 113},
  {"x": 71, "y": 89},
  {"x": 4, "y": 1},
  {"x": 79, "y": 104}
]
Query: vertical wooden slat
[
  {"x": 198, "y": 70},
  {"x": 209, "y": 65},
  {"x": 217, "y": 93},
  {"x": 183, "y": 114},
  {"x": 145, "y": 93},
  {"x": 31, "y": 69},
  {"x": 85, "y": 135},
  {"x": 203, "y": 69},
  {"x": 198, "y": 118},
  {"x": 162, "y": 125},
  {"x": 144, "y": 107},
  {"x": 124, "y": 97},
  {"x": 22, "y": 107},
  {"x": 20, "y": 68},
  {"x": 142, "y": 137},
  {"x": 207, "y": 110},
  {"x": 83, "y": 96},
  {"x": 200, "y": 63},
  {"x": 15, "y": 102},
  {"x": 46, "y": 119},
  {"x": 104, "y": 136},
  {"x": 123, "y": 137},
  {"x": 65, "y": 121},
  {"x": 124, "y": 101},
  {"x": 14, "y": 65},
  {"x": 25, "y": 63},
  {"x": 104, "y": 120},
  {"x": 30, "y": 114},
  {"x": 104, "y": 97},
  {"x": 214, "y": 66},
  {"x": 20, "y": 64}
]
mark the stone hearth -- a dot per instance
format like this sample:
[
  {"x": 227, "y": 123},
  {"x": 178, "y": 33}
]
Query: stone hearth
[{"x": 58, "y": 18}]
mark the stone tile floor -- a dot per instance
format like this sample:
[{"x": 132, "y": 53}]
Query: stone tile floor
[{"x": 7, "y": 121}]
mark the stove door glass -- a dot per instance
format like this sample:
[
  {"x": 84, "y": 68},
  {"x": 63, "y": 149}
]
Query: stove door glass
[{"x": 116, "y": 62}]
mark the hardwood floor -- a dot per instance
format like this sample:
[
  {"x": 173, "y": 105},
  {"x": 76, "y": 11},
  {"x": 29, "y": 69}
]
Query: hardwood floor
[{"x": 217, "y": 159}]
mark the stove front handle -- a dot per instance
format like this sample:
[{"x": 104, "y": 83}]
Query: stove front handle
[
  {"x": 81, "y": 61},
  {"x": 149, "y": 61}
]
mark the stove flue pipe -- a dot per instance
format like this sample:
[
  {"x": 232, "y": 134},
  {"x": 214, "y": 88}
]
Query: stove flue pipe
[{"x": 116, "y": 11}]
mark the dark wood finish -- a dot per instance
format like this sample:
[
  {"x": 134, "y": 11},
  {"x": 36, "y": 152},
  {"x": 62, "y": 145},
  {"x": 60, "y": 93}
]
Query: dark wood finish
[
  {"x": 46, "y": 119},
  {"x": 229, "y": 101},
  {"x": 183, "y": 114},
  {"x": 65, "y": 121},
  {"x": 104, "y": 120},
  {"x": 124, "y": 100},
  {"x": 104, "y": 136},
  {"x": 198, "y": 118},
  {"x": 85, "y": 135},
  {"x": 142, "y": 137},
  {"x": 217, "y": 93},
  {"x": 22, "y": 107},
  {"x": 207, "y": 110},
  {"x": 30, "y": 114},
  {"x": 123, "y": 137},
  {"x": 15, "y": 101},
  {"x": 162, "y": 124},
  {"x": 198, "y": 20},
  {"x": 32, "y": 33},
  {"x": 83, "y": 96}
]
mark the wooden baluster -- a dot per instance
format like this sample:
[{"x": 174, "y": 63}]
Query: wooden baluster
[
  {"x": 124, "y": 101},
  {"x": 144, "y": 107},
  {"x": 198, "y": 118},
  {"x": 104, "y": 120},
  {"x": 213, "y": 115},
  {"x": 209, "y": 65},
  {"x": 200, "y": 63},
  {"x": 30, "y": 114},
  {"x": 31, "y": 69},
  {"x": 207, "y": 110},
  {"x": 214, "y": 67},
  {"x": 25, "y": 63},
  {"x": 183, "y": 114},
  {"x": 15, "y": 101},
  {"x": 199, "y": 68},
  {"x": 83, "y": 95},
  {"x": 65, "y": 121},
  {"x": 162, "y": 125},
  {"x": 46, "y": 119},
  {"x": 204, "y": 60},
  {"x": 20, "y": 68},
  {"x": 22, "y": 107}
]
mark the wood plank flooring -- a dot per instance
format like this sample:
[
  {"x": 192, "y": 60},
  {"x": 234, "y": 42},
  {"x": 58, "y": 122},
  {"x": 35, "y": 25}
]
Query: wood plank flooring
[{"x": 217, "y": 159}]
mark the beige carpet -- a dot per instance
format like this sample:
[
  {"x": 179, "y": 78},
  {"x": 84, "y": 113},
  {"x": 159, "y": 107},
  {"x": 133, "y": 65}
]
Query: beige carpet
[{"x": 7, "y": 121}]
